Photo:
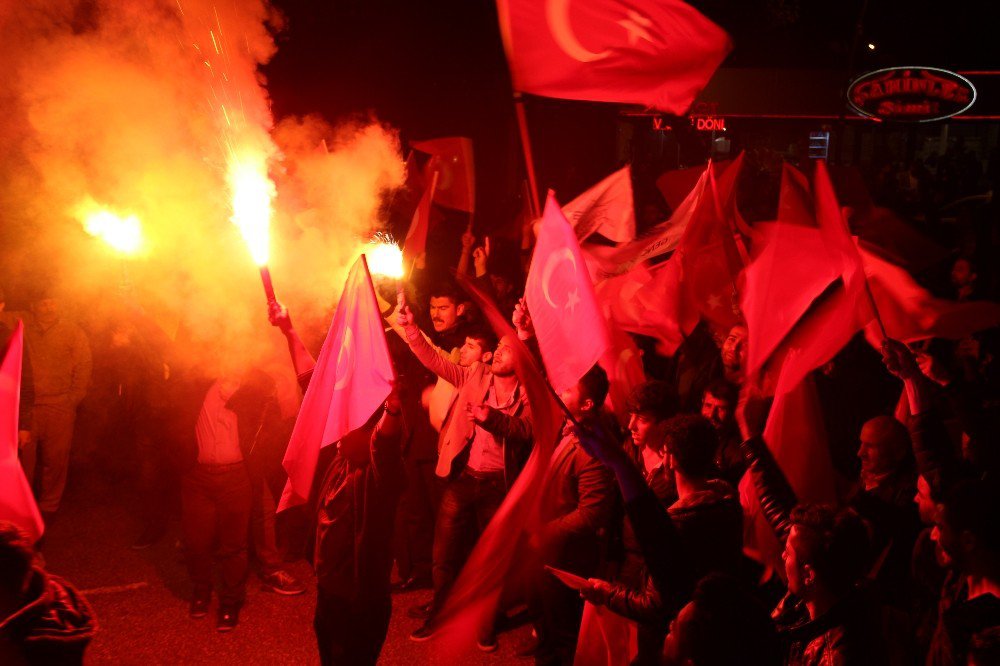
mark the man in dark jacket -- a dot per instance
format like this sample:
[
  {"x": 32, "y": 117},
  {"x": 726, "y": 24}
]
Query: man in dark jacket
[
  {"x": 708, "y": 520},
  {"x": 43, "y": 619},
  {"x": 353, "y": 553},
  {"x": 829, "y": 615},
  {"x": 577, "y": 506},
  {"x": 967, "y": 529}
]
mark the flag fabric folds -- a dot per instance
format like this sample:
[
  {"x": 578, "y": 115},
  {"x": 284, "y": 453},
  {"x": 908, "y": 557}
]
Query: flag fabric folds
[
  {"x": 452, "y": 158},
  {"x": 352, "y": 378},
  {"x": 606, "y": 208},
  {"x": 473, "y": 600},
  {"x": 711, "y": 261},
  {"x": 415, "y": 243},
  {"x": 17, "y": 504},
  {"x": 571, "y": 331},
  {"x": 658, "y": 241},
  {"x": 676, "y": 184},
  {"x": 912, "y": 313},
  {"x": 658, "y": 53}
]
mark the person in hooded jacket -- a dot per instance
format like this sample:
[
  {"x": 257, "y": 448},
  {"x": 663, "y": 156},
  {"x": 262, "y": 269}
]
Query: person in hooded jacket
[{"x": 44, "y": 620}]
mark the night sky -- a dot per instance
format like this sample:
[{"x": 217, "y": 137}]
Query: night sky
[{"x": 437, "y": 68}]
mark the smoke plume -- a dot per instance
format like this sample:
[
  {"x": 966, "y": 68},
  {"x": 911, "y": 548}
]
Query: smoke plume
[{"x": 139, "y": 106}]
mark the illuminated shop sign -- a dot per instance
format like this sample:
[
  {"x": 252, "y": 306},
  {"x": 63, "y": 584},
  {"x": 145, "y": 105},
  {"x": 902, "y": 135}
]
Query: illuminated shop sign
[{"x": 911, "y": 94}]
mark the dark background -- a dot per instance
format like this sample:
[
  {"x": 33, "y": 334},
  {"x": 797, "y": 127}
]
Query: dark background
[{"x": 437, "y": 69}]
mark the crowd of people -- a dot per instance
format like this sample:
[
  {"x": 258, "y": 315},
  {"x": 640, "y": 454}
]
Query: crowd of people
[{"x": 648, "y": 510}]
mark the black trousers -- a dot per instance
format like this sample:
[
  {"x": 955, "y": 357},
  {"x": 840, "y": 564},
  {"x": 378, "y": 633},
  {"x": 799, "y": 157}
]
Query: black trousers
[
  {"x": 467, "y": 506},
  {"x": 350, "y": 634},
  {"x": 415, "y": 520},
  {"x": 215, "y": 508}
]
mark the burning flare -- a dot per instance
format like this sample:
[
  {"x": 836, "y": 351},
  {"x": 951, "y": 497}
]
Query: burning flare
[
  {"x": 123, "y": 233},
  {"x": 385, "y": 257},
  {"x": 252, "y": 192}
]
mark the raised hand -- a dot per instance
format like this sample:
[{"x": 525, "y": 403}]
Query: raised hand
[{"x": 278, "y": 315}]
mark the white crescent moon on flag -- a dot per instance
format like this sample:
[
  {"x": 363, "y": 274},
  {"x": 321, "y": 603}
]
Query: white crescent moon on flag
[
  {"x": 550, "y": 266},
  {"x": 345, "y": 361},
  {"x": 557, "y": 15}
]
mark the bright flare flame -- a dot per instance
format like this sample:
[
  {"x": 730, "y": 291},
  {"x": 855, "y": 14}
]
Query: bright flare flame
[
  {"x": 385, "y": 257},
  {"x": 124, "y": 234},
  {"x": 252, "y": 194}
]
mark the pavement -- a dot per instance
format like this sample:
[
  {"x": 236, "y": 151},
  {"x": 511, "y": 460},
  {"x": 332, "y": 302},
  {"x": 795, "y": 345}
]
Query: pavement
[{"x": 141, "y": 597}]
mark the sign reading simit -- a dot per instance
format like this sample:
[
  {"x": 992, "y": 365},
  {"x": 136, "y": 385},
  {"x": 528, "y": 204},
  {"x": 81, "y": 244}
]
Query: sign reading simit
[{"x": 911, "y": 94}]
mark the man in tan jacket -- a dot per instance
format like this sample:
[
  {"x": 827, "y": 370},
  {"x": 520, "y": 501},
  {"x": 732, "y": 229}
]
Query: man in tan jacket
[
  {"x": 484, "y": 442},
  {"x": 61, "y": 363}
]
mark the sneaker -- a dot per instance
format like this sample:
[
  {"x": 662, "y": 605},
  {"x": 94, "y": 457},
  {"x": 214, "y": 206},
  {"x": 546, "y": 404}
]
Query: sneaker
[
  {"x": 423, "y": 633},
  {"x": 420, "y": 611},
  {"x": 228, "y": 618},
  {"x": 198, "y": 608},
  {"x": 488, "y": 642},
  {"x": 282, "y": 582}
]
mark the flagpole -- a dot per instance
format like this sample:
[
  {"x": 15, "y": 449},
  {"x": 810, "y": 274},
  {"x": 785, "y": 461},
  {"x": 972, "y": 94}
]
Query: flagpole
[{"x": 529, "y": 162}]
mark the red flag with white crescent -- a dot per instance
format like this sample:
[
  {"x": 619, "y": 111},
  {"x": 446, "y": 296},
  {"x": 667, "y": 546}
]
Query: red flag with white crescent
[
  {"x": 571, "y": 330},
  {"x": 415, "y": 243},
  {"x": 352, "y": 378},
  {"x": 658, "y": 53},
  {"x": 453, "y": 159},
  {"x": 17, "y": 504}
]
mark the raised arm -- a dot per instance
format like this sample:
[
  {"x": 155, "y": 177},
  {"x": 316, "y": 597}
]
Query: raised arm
[
  {"x": 936, "y": 458},
  {"x": 777, "y": 499},
  {"x": 302, "y": 361},
  {"x": 425, "y": 352}
]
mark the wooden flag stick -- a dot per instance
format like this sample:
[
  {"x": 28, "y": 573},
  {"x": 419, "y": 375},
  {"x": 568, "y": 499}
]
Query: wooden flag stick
[{"x": 529, "y": 162}]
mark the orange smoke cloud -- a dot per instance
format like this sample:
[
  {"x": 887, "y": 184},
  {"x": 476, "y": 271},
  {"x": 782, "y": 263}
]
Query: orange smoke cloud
[{"x": 141, "y": 106}]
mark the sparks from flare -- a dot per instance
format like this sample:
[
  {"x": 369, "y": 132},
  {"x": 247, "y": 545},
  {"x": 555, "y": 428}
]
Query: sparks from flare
[
  {"x": 245, "y": 144},
  {"x": 384, "y": 256}
]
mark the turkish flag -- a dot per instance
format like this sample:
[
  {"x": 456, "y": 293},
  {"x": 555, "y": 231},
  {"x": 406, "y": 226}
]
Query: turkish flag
[
  {"x": 472, "y": 603},
  {"x": 658, "y": 53},
  {"x": 452, "y": 158},
  {"x": 711, "y": 262},
  {"x": 791, "y": 267},
  {"x": 909, "y": 312},
  {"x": 352, "y": 378},
  {"x": 882, "y": 232},
  {"x": 650, "y": 302},
  {"x": 17, "y": 504},
  {"x": 623, "y": 364},
  {"x": 676, "y": 184},
  {"x": 796, "y": 436},
  {"x": 606, "y": 208},
  {"x": 415, "y": 242},
  {"x": 833, "y": 228},
  {"x": 572, "y": 333},
  {"x": 661, "y": 239}
]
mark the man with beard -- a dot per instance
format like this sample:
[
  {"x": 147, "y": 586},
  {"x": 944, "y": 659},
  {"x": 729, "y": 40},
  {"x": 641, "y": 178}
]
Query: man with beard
[
  {"x": 484, "y": 443},
  {"x": 718, "y": 405},
  {"x": 734, "y": 354}
]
